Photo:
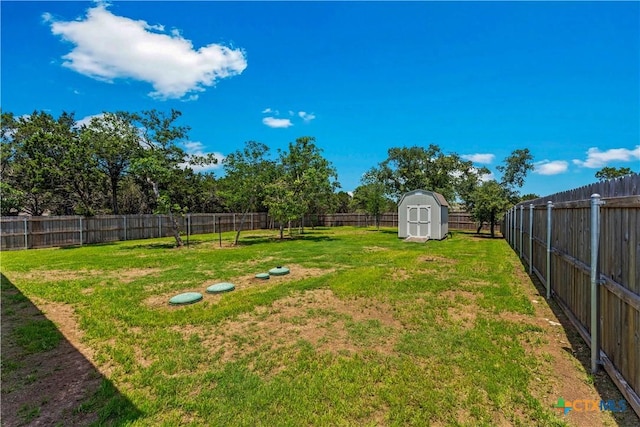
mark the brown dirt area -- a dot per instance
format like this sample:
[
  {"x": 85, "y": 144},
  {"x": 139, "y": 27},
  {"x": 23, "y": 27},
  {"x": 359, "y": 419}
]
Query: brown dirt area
[
  {"x": 43, "y": 389},
  {"x": 317, "y": 316}
]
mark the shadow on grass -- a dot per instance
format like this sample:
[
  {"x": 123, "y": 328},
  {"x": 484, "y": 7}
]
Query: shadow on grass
[
  {"x": 45, "y": 379},
  {"x": 482, "y": 235},
  {"x": 581, "y": 351}
]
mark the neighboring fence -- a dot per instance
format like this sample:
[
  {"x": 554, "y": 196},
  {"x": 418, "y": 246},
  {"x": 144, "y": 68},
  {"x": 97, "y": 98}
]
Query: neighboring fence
[
  {"x": 599, "y": 290},
  {"x": 51, "y": 231},
  {"x": 26, "y": 232}
]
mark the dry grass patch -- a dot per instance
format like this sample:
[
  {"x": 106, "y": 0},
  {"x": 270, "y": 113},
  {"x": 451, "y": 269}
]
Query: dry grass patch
[
  {"x": 317, "y": 317},
  {"x": 123, "y": 275},
  {"x": 437, "y": 259}
]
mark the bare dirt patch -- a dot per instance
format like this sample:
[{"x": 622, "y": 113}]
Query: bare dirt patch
[
  {"x": 123, "y": 275},
  {"x": 436, "y": 259},
  {"x": 44, "y": 388},
  {"x": 318, "y": 317}
]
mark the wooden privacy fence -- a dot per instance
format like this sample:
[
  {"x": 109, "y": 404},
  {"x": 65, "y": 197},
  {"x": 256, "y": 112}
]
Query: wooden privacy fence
[
  {"x": 54, "y": 231},
  {"x": 583, "y": 245}
]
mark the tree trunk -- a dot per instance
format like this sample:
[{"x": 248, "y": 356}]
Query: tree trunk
[
  {"x": 174, "y": 223},
  {"x": 479, "y": 228},
  {"x": 176, "y": 231},
  {"x": 244, "y": 215},
  {"x": 281, "y": 231},
  {"x": 114, "y": 195}
]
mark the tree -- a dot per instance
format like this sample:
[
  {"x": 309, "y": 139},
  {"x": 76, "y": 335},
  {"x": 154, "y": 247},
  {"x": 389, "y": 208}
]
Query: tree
[
  {"x": 115, "y": 142},
  {"x": 341, "y": 202},
  {"x": 162, "y": 159},
  {"x": 515, "y": 169},
  {"x": 407, "y": 169},
  {"x": 610, "y": 172},
  {"x": 371, "y": 199},
  {"x": 310, "y": 177},
  {"x": 280, "y": 199},
  {"x": 491, "y": 200},
  {"x": 247, "y": 173},
  {"x": 33, "y": 151}
]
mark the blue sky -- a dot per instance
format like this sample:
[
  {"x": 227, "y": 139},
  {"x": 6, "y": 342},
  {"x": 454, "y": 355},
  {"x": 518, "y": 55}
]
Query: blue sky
[{"x": 476, "y": 78}]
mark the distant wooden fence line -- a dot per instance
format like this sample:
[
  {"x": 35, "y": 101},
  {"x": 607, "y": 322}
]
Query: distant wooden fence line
[
  {"x": 598, "y": 290},
  {"x": 25, "y": 232}
]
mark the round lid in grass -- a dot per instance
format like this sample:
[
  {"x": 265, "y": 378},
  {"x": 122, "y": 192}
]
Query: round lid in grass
[
  {"x": 186, "y": 298},
  {"x": 221, "y": 287},
  {"x": 263, "y": 276},
  {"x": 279, "y": 271}
]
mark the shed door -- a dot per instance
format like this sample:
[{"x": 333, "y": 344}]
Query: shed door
[{"x": 419, "y": 221}]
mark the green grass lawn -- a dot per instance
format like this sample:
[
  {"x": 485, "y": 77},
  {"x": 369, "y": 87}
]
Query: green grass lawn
[{"x": 367, "y": 329}]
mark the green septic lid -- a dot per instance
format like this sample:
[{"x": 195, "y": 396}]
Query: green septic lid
[
  {"x": 279, "y": 271},
  {"x": 262, "y": 276},
  {"x": 186, "y": 298},
  {"x": 220, "y": 287}
]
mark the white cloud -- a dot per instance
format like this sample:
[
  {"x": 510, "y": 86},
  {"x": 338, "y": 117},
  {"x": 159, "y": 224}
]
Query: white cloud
[
  {"x": 107, "y": 47},
  {"x": 307, "y": 117},
  {"x": 598, "y": 159},
  {"x": 479, "y": 158},
  {"x": 196, "y": 148},
  {"x": 267, "y": 111},
  {"x": 272, "y": 122},
  {"x": 550, "y": 167},
  {"x": 86, "y": 120}
]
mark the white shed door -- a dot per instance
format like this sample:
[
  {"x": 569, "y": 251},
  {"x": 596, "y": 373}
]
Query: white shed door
[{"x": 419, "y": 221}]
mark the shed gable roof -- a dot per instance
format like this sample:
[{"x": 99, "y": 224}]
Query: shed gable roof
[{"x": 439, "y": 197}]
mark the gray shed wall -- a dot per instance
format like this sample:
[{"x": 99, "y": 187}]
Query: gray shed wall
[{"x": 439, "y": 213}]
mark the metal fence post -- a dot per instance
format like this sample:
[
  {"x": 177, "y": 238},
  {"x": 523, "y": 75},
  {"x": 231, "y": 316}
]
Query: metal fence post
[
  {"x": 549, "y": 207},
  {"x": 159, "y": 225},
  {"x": 595, "y": 240},
  {"x": 80, "y": 231},
  {"x": 234, "y": 222},
  {"x": 531, "y": 238},
  {"x": 521, "y": 227},
  {"x": 514, "y": 222},
  {"x": 26, "y": 234}
]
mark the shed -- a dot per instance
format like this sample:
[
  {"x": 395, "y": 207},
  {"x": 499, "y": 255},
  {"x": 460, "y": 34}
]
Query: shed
[{"x": 423, "y": 214}]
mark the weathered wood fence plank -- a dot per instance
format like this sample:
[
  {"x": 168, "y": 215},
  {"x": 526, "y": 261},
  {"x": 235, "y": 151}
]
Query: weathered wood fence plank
[{"x": 617, "y": 271}]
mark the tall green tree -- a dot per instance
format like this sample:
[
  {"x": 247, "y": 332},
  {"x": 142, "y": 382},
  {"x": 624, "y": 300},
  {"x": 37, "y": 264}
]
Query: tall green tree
[
  {"x": 34, "y": 149},
  {"x": 280, "y": 200},
  {"x": 410, "y": 168},
  {"x": 491, "y": 200},
  {"x": 515, "y": 168},
  {"x": 114, "y": 139},
  {"x": 370, "y": 198},
  {"x": 247, "y": 173},
  {"x": 162, "y": 158},
  {"x": 310, "y": 177},
  {"x": 610, "y": 172}
]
